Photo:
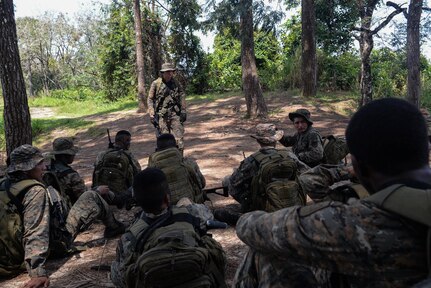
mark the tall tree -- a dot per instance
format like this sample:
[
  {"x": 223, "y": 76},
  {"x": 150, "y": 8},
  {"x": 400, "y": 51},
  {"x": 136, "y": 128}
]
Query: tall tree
[
  {"x": 140, "y": 68},
  {"x": 413, "y": 52},
  {"x": 309, "y": 61},
  {"x": 256, "y": 105},
  {"x": 366, "y": 10},
  {"x": 16, "y": 113}
]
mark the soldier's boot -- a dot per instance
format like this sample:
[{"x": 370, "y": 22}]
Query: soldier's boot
[
  {"x": 226, "y": 215},
  {"x": 113, "y": 227}
]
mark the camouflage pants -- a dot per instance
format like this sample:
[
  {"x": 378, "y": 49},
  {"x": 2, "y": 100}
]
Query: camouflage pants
[
  {"x": 259, "y": 270},
  {"x": 173, "y": 126},
  {"x": 89, "y": 207}
]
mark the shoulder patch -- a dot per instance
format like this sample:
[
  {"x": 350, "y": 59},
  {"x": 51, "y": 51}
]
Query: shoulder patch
[{"x": 311, "y": 209}]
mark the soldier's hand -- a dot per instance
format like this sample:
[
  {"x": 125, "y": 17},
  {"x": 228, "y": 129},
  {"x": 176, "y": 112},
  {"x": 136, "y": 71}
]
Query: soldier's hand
[
  {"x": 183, "y": 116},
  {"x": 36, "y": 282},
  {"x": 102, "y": 190}
]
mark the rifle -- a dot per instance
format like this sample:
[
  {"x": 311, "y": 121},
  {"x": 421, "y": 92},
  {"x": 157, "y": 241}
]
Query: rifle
[
  {"x": 214, "y": 191},
  {"x": 110, "y": 145},
  {"x": 155, "y": 122}
]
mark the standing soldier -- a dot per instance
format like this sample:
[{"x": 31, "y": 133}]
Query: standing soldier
[{"x": 167, "y": 104}]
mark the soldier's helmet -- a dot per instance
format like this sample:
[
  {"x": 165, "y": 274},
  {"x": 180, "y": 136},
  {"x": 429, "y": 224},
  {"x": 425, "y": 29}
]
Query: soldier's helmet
[
  {"x": 64, "y": 145},
  {"x": 24, "y": 158},
  {"x": 168, "y": 67},
  {"x": 267, "y": 133},
  {"x": 304, "y": 113}
]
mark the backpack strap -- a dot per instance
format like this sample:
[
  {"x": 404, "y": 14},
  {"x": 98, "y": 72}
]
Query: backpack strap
[
  {"x": 165, "y": 220},
  {"x": 17, "y": 189}
]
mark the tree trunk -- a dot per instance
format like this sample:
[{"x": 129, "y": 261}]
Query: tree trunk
[
  {"x": 366, "y": 44},
  {"x": 16, "y": 113},
  {"x": 255, "y": 102},
  {"x": 156, "y": 42},
  {"x": 140, "y": 69},
  {"x": 413, "y": 52},
  {"x": 309, "y": 62}
]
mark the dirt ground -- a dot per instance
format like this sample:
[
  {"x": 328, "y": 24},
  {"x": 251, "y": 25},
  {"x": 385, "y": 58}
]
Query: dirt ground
[{"x": 217, "y": 136}]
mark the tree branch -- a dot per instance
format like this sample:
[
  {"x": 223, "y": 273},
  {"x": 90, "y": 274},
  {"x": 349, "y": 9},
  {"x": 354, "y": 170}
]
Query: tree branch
[
  {"x": 389, "y": 18},
  {"x": 426, "y": 9}
]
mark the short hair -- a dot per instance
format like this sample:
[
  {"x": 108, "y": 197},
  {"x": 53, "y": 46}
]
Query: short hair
[
  {"x": 150, "y": 188},
  {"x": 120, "y": 134},
  {"x": 166, "y": 141},
  {"x": 389, "y": 135}
]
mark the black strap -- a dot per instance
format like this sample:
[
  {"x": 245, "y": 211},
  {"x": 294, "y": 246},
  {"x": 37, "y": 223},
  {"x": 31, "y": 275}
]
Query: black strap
[
  {"x": 163, "y": 221},
  {"x": 12, "y": 197}
]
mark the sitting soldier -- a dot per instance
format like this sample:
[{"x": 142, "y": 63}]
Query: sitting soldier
[
  {"x": 117, "y": 166},
  {"x": 378, "y": 241},
  {"x": 46, "y": 226},
  {"x": 266, "y": 180},
  {"x": 306, "y": 142},
  {"x": 165, "y": 246},
  {"x": 62, "y": 176},
  {"x": 184, "y": 176}
]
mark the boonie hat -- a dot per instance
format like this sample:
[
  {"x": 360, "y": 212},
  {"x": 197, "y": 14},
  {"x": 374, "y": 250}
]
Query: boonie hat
[
  {"x": 168, "y": 67},
  {"x": 24, "y": 158},
  {"x": 64, "y": 145},
  {"x": 267, "y": 133},
  {"x": 304, "y": 113}
]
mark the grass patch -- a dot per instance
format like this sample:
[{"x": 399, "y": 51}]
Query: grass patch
[{"x": 211, "y": 97}]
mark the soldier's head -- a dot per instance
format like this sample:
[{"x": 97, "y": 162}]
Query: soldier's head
[
  {"x": 166, "y": 141},
  {"x": 388, "y": 141},
  {"x": 301, "y": 119},
  {"x": 123, "y": 138},
  {"x": 64, "y": 149},
  {"x": 26, "y": 161},
  {"x": 167, "y": 71},
  {"x": 151, "y": 190},
  {"x": 267, "y": 135}
]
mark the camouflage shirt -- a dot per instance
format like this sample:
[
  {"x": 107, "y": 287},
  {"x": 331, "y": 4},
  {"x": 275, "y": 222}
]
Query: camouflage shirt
[
  {"x": 36, "y": 221},
  {"x": 307, "y": 146},
  {"x": 365, "y": 244},
  {"x": 166, "y": 99},
  {"x": 71, "y": 182}
]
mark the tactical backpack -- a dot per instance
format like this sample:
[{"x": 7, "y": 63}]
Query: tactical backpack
[
  {"x": 114, "y": 171},
  {"x": 274, "y": 186},
  {"x": 11, "y": 226},
  {"x": 170, "y": 252},
  {"x": 51, "y": 178},
  {"x": 182, "y": 180},
  {"x": 334, "y": 149}
]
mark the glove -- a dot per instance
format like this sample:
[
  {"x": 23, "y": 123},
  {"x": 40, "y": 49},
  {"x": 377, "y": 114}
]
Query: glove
[{"x": 183, "y": 117}]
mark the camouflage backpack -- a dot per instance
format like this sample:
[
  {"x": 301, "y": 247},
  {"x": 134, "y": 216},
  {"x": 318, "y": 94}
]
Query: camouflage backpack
[
  {"x": 114, "y": 170},
  {"x": 274, "y": 186},
  {"x": 334, "y": 149},
  {"x": 181, "y": 178},
  {"x": 51, "y": 178},
  {"x": 11, "y": 226},
  {"x": 170, "y": 252}
]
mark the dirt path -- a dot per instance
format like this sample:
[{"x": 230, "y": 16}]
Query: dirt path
[{"x": 216, "y": 136}]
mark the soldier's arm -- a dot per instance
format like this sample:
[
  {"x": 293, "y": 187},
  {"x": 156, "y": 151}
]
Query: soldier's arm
[
  {"x": 316, "y": 181},
  {"x": 118, "y": 267},
  {"x": 287, "y": 140},
  {"x": 151, "y": 96},
  {"x": 36, "y": 219},
  {"x": 324, "y": 235},
  {"x": 75, "y": 185},
  {"x": 201, "y": 179},
  {"x": 240, "y": 180},
  {"x": 315, "y": 152},
  {"x": 135, "y": 163}
]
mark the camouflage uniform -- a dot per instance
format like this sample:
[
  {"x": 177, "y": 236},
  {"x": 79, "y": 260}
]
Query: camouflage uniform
[
  {"x": 125, "y": 245},
  {"x": 194, "y": 165},
  {"x": 167, "y": 101},
  {"x": 307, "y": 146},
  {"x": 48, "y": 224},
  {"x": 366, "y": 245}
]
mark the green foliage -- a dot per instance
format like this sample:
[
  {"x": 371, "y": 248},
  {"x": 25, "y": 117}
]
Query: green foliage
[
  {"x": 339, "y": 72},
  {"x": 426, "y": 86},
  {"x": 117, "y": 52}
]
